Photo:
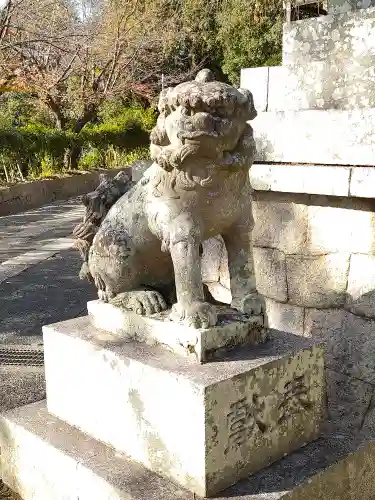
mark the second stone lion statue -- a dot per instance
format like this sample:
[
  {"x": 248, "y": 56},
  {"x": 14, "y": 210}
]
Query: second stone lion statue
[{"x": 198, "y": 187}]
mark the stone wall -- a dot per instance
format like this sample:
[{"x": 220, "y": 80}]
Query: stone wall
[
  {"x": 315, "y": 264},
  {"x": 341, "y": 6},
  {"x": 333, "y": 136},
  {"x": 316, "y": 85},
  {"x": 24, "y": 196},
  {"x": 328, "y": 63},
  {"x": 345, "y": 38}
]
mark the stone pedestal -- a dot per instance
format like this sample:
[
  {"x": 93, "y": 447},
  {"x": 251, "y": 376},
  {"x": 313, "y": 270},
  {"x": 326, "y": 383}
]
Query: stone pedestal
[
  {"x": 233, "y": 329},
  {"x": 204, "y": 426}
]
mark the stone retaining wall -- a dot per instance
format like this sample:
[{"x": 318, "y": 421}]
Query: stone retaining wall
[
  {"x": 29, "y": 195},
  {"x": 337, "y": 38},
  {"x": 315, "y": 261}
]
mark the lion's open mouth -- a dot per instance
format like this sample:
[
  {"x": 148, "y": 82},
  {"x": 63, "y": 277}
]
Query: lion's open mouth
[{"x": 197, "y": 134}]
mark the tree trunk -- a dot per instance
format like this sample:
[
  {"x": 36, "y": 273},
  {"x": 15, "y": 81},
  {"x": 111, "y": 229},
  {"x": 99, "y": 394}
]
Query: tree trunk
[
  {"x": 56, "y": 110},
  {"x": 74, "y": 153},
  {"x": 72, "y": 156}
]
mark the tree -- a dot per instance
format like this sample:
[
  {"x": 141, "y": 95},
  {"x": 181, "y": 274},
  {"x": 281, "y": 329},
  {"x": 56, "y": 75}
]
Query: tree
[
  {"x": 75, "y": 55},
  {"x": 75, "y": 59},
  {"x": 250, "y": 34}
]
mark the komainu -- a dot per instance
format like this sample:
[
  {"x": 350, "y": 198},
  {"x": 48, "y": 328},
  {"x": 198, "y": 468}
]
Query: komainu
[{"x": 148, "y": 244}]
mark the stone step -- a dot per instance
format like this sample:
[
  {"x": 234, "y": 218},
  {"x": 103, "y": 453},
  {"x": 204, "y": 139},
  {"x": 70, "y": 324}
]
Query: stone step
[
  {"x": 203, "y": 425},
  {"x": 325, "y": 137},
  {"x": 43, "y": 458}
]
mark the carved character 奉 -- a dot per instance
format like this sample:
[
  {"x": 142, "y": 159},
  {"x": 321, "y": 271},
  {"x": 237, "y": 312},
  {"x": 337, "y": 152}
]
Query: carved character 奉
[{"x": 198, "y": 187}]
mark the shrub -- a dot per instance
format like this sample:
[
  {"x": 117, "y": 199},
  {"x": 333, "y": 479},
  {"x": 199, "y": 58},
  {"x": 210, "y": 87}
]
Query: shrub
[
  {"x": 41, "y": 150},
  {"x": 91, "y": 159}
]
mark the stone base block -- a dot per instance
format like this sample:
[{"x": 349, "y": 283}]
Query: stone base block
[
  {"x": 326, "y": 137},
  {"x": 203, "y": 426},
  {"x": 232, "y": 329},
  {"x": 43, "y": 458}
]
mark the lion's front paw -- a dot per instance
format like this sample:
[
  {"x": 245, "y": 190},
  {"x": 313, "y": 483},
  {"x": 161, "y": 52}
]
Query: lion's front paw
[
  {"x": 143, "y": 302},
  {"x": 105, "y": 295},
  {"x": 196, "y": 315},
  {"x": 249, "y": 304}
]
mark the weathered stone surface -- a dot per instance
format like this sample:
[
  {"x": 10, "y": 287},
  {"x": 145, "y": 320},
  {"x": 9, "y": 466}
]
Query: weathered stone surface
[
  {"x": 319, "y": 85},
  {"x": 276, "y": 88},
  {"x": 357, "y": 348},
  {"x": 198, "y": 187},
  {"x": 326, "y": 326},
  {"x": 270, "y": 273},
  {"x": 284, "y": 317},
  {"x": 232, "y": 329},
  {"x": 317, "y": 281},
  {"x": 332, "y": 137},
  {"x": 332, "y": 229},
  {"x": 341, "y": 38},
  {"x": 280, "y": 225},
  {"x": 362, "y": 182},
  {"x": 322, "y": 85},
  {"x": 211, "y": 258},
  {"x": 97, "y": 204},
  {"x": 256, "y": 80},
  {"x": 219, "y": 292},
  {"x": 205, "y": 426},
  {"x": 349, "y": 339},
  {"x": 361, "y": 285},
  {"x": 368, "y": 425},
  {"x": 224, "y": 276},
  {"x": 139, "y": 168},
  {"x": 300, "y": 178},
  {"x": 348, "y": 401},
  {"x": 39, "y": 453}
]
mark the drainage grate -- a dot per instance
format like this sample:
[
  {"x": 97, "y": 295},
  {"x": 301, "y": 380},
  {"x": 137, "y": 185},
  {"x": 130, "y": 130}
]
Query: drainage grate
[{"x": 21, "y": 356}]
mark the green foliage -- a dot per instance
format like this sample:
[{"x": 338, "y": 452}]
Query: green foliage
[
  {"x": 41, "y": 150},
  {"x": 114, "y": 114},
  {"x": 91, "y": 158},
  {"x": 224, "y": 36},
  {"x": 250, "y": 34},
  {"x": 18, "y": 109}
]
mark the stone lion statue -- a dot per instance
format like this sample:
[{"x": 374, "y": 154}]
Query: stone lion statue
[
  {"x": 148, "y": 245},
  {"x": 97, "y": 204}
]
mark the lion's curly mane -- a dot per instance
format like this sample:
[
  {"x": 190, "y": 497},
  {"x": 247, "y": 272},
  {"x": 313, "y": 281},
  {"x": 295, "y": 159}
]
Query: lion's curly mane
[{"x": 212, "y": 122}]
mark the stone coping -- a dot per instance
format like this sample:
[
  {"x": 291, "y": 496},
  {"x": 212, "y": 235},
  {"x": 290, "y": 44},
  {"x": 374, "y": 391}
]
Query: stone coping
[
  {"x": 331, "y": 180},
  {"x": 340, "y": 180},
  {"x": 24, "y": 196}
]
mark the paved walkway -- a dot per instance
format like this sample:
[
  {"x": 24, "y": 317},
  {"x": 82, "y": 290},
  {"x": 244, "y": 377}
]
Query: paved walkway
[{"x": 39, "y": 285}]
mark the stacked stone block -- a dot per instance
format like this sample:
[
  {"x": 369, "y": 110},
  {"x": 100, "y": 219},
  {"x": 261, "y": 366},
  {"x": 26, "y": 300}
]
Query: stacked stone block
[
  {"x": 315, "y": 265},
  {"x": 313, "y": 202}
]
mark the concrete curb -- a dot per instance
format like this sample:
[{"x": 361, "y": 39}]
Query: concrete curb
[{"x": 21, "y": 197}]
